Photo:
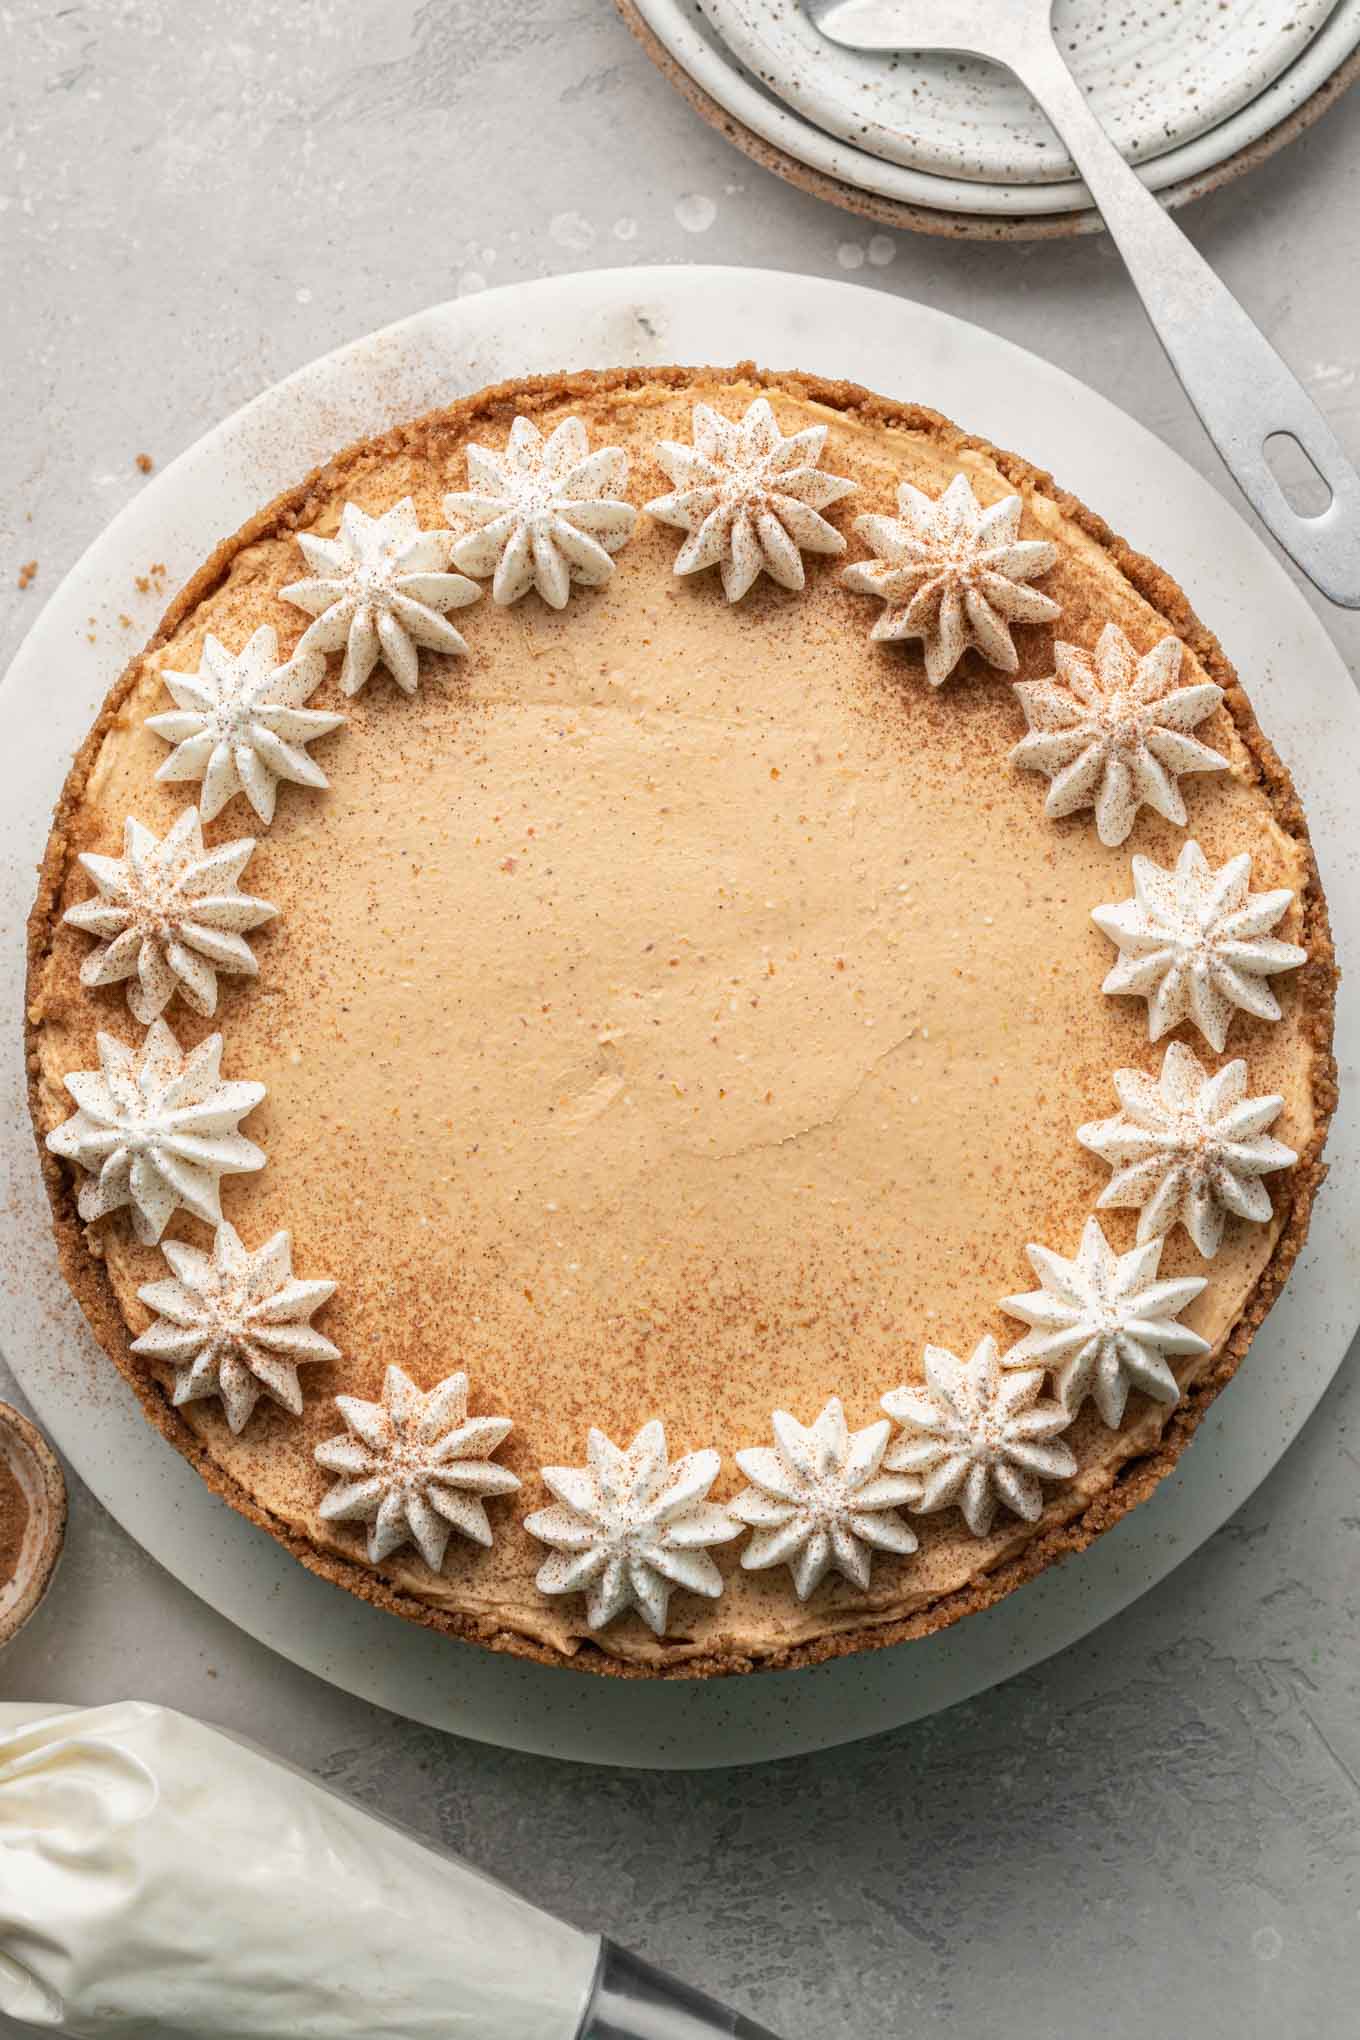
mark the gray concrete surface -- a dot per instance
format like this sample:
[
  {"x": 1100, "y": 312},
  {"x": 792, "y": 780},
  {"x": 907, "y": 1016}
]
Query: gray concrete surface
[{"x": 1155, "y": 1834}]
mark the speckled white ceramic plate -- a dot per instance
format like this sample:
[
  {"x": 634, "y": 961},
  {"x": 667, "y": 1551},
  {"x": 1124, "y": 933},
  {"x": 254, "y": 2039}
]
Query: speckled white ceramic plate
[
  {"x": 681, "y": 30},
  {"x": 53, "y": 691},
  {"x": 1158, "y": 76}
]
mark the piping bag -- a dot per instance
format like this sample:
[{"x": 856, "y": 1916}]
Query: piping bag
[{"x": 161, "y": 1880}]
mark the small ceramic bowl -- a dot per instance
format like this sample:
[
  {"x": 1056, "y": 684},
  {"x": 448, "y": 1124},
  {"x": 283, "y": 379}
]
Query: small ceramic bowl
[{"x": 29, "y": 1460}]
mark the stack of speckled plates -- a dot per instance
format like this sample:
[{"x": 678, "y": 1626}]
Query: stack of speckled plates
[{"x": 1194, "y": 94}]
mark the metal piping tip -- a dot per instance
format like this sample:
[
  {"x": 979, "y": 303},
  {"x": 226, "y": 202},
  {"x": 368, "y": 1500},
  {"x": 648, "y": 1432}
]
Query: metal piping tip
[{"x": 632, "y": 2001}]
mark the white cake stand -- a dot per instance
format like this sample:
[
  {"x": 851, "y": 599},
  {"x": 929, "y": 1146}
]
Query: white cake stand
[{"x": 1306, "y": 703}]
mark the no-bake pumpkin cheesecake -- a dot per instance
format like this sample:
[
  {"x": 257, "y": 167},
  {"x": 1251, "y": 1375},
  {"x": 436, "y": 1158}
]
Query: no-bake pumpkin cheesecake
[{"x": 679, "y": 1021}]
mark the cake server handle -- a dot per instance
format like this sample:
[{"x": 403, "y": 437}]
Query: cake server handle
[
  {"x": 630, "y": 2000},
  {"x": 1244, "y": 393}
]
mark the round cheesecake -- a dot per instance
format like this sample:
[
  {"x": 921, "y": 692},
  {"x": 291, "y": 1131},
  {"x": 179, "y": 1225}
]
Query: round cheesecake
[{"x": 679, "y": 1021}]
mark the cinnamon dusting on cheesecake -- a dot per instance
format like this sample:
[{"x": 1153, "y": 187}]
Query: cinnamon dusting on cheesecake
[{"x": 685, "y": 1013}]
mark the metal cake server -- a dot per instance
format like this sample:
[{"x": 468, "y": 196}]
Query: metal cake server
[{"x": 1244, "y": 393}]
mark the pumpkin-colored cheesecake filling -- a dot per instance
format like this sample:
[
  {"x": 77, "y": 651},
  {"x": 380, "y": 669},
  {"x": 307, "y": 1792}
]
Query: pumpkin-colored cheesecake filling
[{"x": 675, "y": 1009}]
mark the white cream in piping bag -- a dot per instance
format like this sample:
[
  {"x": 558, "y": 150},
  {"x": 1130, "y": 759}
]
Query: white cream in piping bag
[{"x": 158, "y": 1879}]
